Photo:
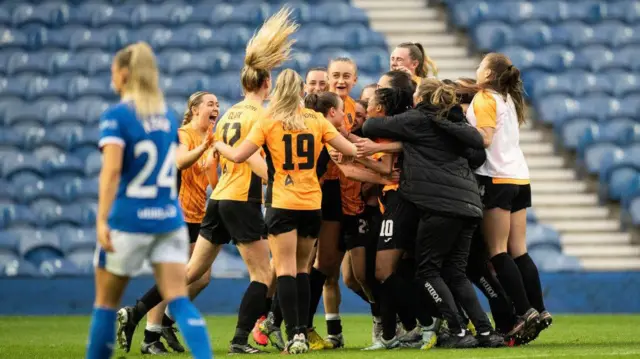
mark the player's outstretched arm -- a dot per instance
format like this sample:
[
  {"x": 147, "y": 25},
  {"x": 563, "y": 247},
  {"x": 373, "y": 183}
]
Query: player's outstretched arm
[
  {"x": 238, "y": 154},
  {"x": 107, "y": 188},
  {"x": 344, "y": 146}
]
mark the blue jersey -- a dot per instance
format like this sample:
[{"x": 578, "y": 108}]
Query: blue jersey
[{"x": 147, "y": 198}]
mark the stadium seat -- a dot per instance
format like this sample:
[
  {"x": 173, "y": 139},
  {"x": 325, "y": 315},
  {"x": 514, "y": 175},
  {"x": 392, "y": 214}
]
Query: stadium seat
[
  {"x": 65, "y": 164},
  {"x": 97, "y": 15},
  {"x": 13, "y": 39},
  {"x": 587, "y": 83},
  {"x": 38, "y": 246},
  {"x": 573, "y": 130},
  {"x": 626, "y": 83},
  {"x": 7, "y": 192},
  {"x": 82, "y": 259},
  {"x": 555, "y": 262},
  {"x": 93, "y": 163},
  {"x": 531, "y": 34},
  {"x": 81, "y": 189},
  {"x": 8, "y": 245},
  {"x": 49, "y": 14},
  {"x": 12, "y": 166},
  {"x": 168, "y": 14},
  {"x": 59, "y": 267},
  {"x": 594, "y": 153},
  {"x": 540, "y": 235},
  {"x": 634, "y": 211},
  {"x": 336, "y": 14},
  {"x": 47, "y": 189},
  {"x": 18, "y": 268},
  {"x": 23, "y": 62},
  {"x": 73, "y": 238}
]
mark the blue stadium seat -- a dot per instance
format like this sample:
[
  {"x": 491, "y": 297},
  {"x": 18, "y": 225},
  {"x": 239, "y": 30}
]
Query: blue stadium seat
[
  {"x": 48, "y": 13},
  {"x": 82, "y": 258},
  {"x": 111, "y": 38},
  {"x": 594, "y": 153},
  {"x": 371, "y": 60},
  {"x": 53, "y": 268},
  {"x": 626, "y": 58},
  {"x": 555, "y": 262},
  {"x": 13, "y": 166},
  {"x": 7, "y": 192},
  {"x": 18, "y": 268},
  {"x": 26, "y": 115},
  {"x": 64, "y": 113},
  {"x": 531, "y": 216},
  {"x": 589, "y": 11},
  {"x": 301, "y": 10},
  {"x": 5, "y": 17},
  {"x": 552, "y": 84},
  {"x": 168, "y": 14},
  {"x": 8, "y": 245},
  {"x": 98, "y": 15},
  {"x": 81, "y": 189},
  {"x": 531, "y": 34},
  {"x": 618, "y": 181},
  {"x": 81, "y": 86},
  {"x": 74, "y": 238},
  {"x": 634, "y": 211},
  {"x": 65, "y": 164},
  {"x": 554, "y": 59},
  {"x": 575, "y": 129},
  {"x": 250, "y": 14},
  {"x": 93, "y": 163},
  {"x": 596, "y": 58},
  {"x": 586, "y": 83},
  {"x": 359, "y": 36},
  {"x": 47, "y": 189},
  {"x": 16, "y": 88},
  {"x": 613, "y": 33},
  {"x": 38, "y": 246},
  {"x": 227, "y": 85},
  {"x": 336, "y": 14},
  {"x": 626, "y": 83},
  {"x": 40, "y": 87},
  {"x": 23, "y": 62},
  {"x": 16, "y": 216},
  {"x": 299, "y": 62},
  {"x": 14, "y": 39},
  {"x": 178, "y": 62}
]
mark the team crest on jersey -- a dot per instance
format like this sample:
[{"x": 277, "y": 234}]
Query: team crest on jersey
[{"x": 288, "y": 181}]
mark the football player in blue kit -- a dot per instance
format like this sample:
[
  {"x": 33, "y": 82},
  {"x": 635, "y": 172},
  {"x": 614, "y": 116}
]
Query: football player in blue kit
[{"x": 139, "y": 216}]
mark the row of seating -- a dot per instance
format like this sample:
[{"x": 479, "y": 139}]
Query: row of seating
[
  {"x": 469, "y": 13},
  {"x": 594, "y": 58},
  {"x": 62, "y": 191},
  {"x": 48, "y": 162},
  {"x": 578, "y": 83},
  {"x": 46, "y": 213},
  {"x": 251, "y": 13},
  {"x": 579, "y": 133},
  {"x": 557, "y": 109},
  {"x": 314, "y": 37},
  {"x": 174, "y": 62}
]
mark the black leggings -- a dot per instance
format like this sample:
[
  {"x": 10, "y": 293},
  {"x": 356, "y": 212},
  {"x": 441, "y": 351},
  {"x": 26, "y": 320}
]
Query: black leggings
[{"x": 442, "y": 252}]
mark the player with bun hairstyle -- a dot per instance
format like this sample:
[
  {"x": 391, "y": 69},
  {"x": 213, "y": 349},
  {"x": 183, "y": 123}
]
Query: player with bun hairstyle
[
  {"x": 138, "y": 140},
  {"x": 196, "y": 138},
  {"x": 498, "y": 111},
  {"x": 410, "y": 57},
  {"x": 292, "y": 137}
]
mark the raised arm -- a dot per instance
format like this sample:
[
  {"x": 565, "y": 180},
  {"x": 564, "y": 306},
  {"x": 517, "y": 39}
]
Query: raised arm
[
  {"x": 362, "y": 174},
  {"x": 366, "y": 147},
  {"x": 384, "y": 166},
  {"x": 185, "y": 158}
]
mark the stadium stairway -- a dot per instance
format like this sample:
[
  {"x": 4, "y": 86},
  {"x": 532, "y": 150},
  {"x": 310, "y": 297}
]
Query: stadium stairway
[{"x": 588, "y": 230}]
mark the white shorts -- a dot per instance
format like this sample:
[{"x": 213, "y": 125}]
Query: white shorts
[{"x": 131, "y": 250}]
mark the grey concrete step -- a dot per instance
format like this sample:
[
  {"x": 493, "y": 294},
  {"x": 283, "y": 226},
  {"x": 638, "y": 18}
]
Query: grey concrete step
[
  {"x": 393, "y": 14},
  {"x": 410, "y": 28},
  {"x": 610, "y": 239},
  {"x": 602, "y": 251},
  {"x": 558, "y": 174},
  {"x": 610, "y": 264},
  {"x": 385, "y": 4},
  {"x": 558, "y": 187},
  {"x": 590, "y": 225},
  {"x": 557, "y": 199},
  {"x": 571, "y": 212}
]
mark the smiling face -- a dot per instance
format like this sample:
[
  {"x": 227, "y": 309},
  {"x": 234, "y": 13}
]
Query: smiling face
[
  {"x": 206, "y": 113},
  {"x": 316, "y": 82},
  {"x": 342, "y": 78},
  {"x": 400, "y": 58}
]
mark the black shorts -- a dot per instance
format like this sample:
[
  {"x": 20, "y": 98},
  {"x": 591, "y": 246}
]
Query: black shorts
[
  {"x": 307, "y": 223},
  {"x": 399, "y": 223},
  {"x": 510, "y": 197},
  {"x": 331, "y": 201},
  {"x": 356, "y": 230},
  {"x": 235, "y": 222},
  {"x": 194, "y": 231}
]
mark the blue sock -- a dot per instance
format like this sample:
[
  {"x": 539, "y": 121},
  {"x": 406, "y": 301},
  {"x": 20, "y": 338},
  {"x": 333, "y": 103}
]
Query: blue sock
[
  {"x": 102, "y": 334},
  {"x": 192, "y": 326}
]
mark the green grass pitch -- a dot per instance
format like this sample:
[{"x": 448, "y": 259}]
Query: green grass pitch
[{"x": 571, "y": 336}]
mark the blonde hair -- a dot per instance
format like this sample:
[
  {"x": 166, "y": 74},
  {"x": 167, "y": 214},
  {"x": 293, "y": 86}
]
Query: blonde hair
[
  {"x": 195, "y": 100},
  {"x": 286, "y": 100},
  {"x": 417, "y": 53},
  {"x": 267, "y": 49},
  {"x": 142, "y": 84},
  {"x": 438, "y": 94},
  {"x": 344, "y": 59}
]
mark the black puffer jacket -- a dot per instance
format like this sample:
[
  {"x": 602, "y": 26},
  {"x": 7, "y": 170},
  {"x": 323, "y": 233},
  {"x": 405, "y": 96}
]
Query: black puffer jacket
[{"x": 436, "y": 175}]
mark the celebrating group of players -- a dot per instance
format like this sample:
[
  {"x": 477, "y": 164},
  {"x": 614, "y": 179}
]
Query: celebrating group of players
[{"x": 412, "y": 193}]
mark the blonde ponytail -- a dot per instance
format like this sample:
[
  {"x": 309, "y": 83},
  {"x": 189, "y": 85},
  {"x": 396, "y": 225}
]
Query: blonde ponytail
[
  {"x": 417, "y": 53},
  {"x": 142, "y": 83},
  {"x": 286, "y": 101},
  {"x": 430, "y": 66},
  {"x": 269, "y": 48},
  {"x": 438, "y": 94}
]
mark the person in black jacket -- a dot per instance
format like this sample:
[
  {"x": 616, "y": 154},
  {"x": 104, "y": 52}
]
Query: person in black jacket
[{"x": 437, "y": 179}]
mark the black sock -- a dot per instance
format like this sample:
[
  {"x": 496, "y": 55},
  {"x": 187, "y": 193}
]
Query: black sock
[
  {"x": 316, "y": 283},
  {"x": 388, "y": 307},
  {"x": 442, "y": 298},
  {"x": 150, "y": 337},
  {"x": 251, "y": 306},
  {"x": 288, "y": 298},
  {"x": 400, "y": 292},
  {"x": 302, "y": 280},
  {"x": 167, "y": 322},
  {"x": 334, "y": 326},
  {"x": 277, "y": 312},
  {"x": 149, "y": 300},
  {"x": 509, "y": 276},
  {"x": 267, "y": 306},
  {"x": 531, "y": 279}
]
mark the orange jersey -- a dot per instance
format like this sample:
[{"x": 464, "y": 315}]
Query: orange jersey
[
  {"x": 396, "y": 164},
  {"x": 351, "y": 196},
  {"x": 238, "y": 182},
  {"x": 193, "y": 180},
  {"x": 292, "y": 158},
  {"x": 333, "y": 172}
]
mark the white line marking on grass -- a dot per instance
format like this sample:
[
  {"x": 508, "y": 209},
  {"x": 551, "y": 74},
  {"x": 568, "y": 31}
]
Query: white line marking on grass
[{"x": 626, "y": 353}]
